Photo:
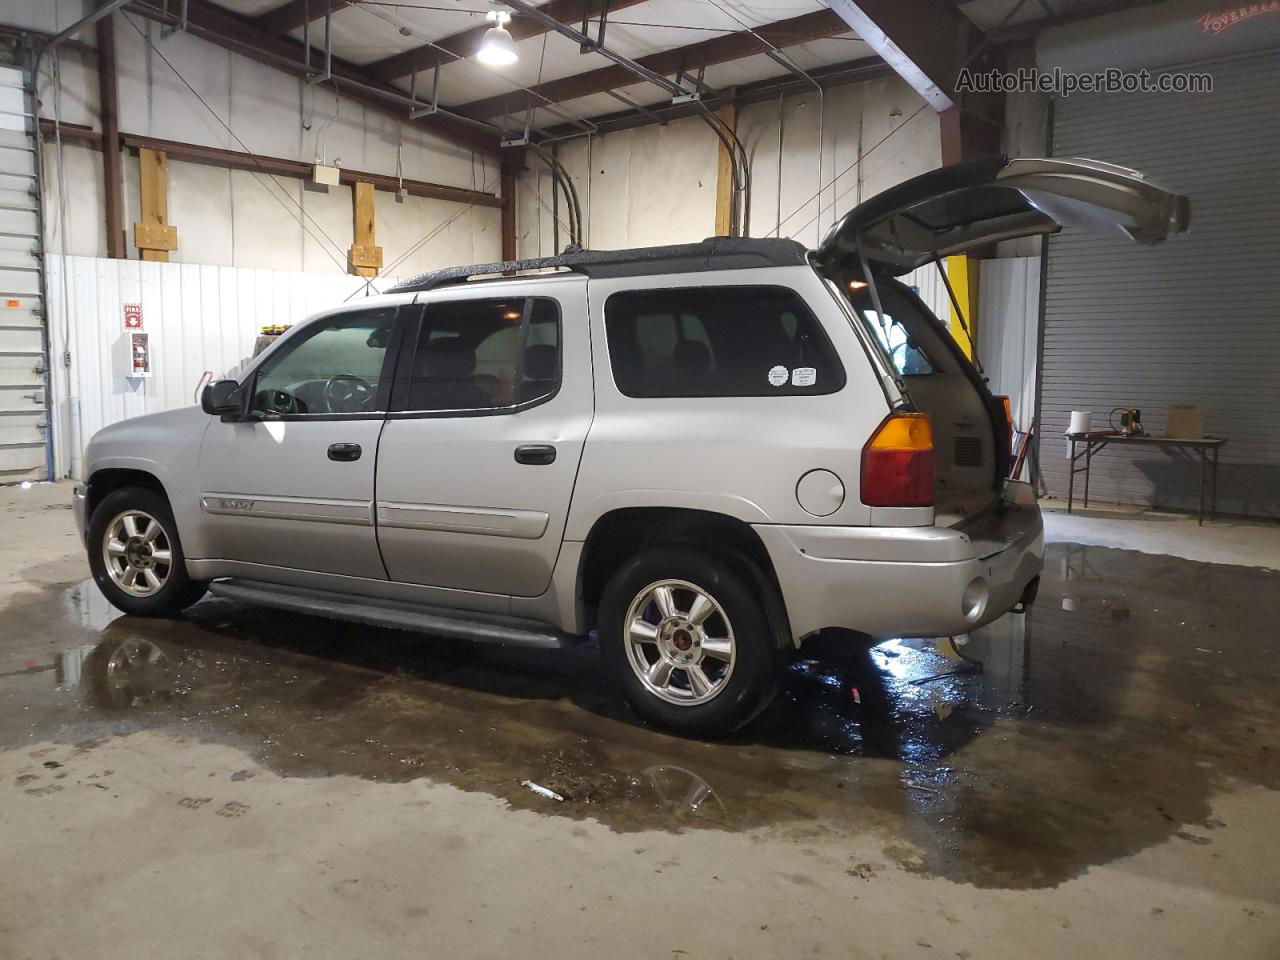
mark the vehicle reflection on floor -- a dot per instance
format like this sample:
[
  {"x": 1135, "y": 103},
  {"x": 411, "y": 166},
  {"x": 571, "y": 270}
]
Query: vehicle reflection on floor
[
  {"x": 312, "y": 696},
  {"x": 1138, "y": 679}
]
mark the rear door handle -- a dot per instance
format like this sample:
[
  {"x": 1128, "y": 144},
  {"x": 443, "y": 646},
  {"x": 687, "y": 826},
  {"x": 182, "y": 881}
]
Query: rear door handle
[
  {"x": 536, "y": 454},
  {"x": 344, "y": 452}
]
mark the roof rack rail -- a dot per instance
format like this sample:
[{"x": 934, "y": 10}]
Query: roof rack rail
[{"x": 714, "y": 253}]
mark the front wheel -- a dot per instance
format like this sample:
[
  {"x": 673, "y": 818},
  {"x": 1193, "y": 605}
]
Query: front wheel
[
  {"x": 684, "y": 636},
  {"x": 136, "y": 557}
]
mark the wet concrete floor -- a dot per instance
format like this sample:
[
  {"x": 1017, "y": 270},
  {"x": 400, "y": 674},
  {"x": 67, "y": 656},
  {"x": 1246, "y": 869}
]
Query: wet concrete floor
[{"x": 1099, "y": 725}]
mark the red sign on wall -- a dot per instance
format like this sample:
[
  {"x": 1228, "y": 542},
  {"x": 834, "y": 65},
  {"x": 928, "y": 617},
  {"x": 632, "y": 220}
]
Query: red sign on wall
[
  {"x": 133, "y": 316},
  {"x": 1215, "y": 23}
]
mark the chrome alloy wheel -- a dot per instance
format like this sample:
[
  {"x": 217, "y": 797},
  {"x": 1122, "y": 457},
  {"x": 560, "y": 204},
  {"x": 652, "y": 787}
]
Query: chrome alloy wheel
[
  {"x": 137, "y": 553},
  {"x": 679, "y": 642}
]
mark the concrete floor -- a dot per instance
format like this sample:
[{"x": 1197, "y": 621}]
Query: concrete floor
[{"x": 243, "y": 783}]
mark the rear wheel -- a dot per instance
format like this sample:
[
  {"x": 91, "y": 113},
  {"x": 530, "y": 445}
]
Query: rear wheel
[
  {"x": 684, "y": 636},
  {"x": 136, "y": 557}
]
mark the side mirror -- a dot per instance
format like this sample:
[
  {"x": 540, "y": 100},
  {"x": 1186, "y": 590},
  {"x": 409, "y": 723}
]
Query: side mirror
[{"x": 222, "y": 398}]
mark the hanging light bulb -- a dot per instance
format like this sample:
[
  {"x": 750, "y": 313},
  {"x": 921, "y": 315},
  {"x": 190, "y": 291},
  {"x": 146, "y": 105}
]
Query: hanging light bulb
[{"x": 497, "y": 49}]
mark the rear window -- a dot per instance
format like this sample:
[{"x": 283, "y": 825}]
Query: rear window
[
  {"x": 893, "y": 328},
  {"x": 718, "y": 342}
]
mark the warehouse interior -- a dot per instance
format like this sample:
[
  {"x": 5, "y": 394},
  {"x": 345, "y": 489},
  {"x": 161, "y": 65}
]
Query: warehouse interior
[{"x": 181, "y": 181}]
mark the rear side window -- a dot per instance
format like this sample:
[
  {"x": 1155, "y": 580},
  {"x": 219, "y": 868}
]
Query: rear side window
[
  {"x": 485, "y": 355},
  {"x": 718, "y": 342}
]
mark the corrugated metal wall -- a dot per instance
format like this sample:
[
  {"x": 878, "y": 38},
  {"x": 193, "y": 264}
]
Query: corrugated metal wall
[
  {"x": 23, "y": 423},
  {"x": 1195, "y": 321},
  {"x": 197, "y": 317}
]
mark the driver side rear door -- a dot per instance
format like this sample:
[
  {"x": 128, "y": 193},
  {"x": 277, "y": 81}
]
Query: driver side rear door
[{"x": 291, "y": 484}]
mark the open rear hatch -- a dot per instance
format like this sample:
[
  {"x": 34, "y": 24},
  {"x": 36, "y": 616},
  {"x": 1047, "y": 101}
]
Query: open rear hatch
[{"x": 950, "y": 211}]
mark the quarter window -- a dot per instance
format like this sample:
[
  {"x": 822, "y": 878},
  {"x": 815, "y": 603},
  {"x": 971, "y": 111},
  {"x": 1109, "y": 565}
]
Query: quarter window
[
  {"x": 333, "y": 367},
  {"x": 718, "y": 342},
  {"x": 485, "y": 355}
]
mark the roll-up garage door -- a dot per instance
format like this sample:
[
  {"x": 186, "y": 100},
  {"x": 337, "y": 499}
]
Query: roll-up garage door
[
  {"x": 1194, "y": 321},
  {"x": 23, "y": 414}
]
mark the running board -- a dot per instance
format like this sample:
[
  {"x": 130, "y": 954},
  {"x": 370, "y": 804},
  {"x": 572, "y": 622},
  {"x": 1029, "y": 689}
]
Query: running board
[{"x": 397, "y": 614}]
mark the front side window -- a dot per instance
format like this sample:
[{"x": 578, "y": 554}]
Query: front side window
[
  {"x": 334, "y": 367},
  {"x": 485, "y": 355},
  {"x": 718, "y": 342}
]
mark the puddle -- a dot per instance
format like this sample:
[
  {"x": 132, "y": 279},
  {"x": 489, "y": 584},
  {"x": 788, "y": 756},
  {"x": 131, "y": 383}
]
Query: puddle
[{"x": 1083, "y": 732}]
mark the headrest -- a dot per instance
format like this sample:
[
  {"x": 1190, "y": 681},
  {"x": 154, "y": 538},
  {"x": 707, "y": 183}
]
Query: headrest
[
  {"x": 540, "y": 362},
  {"x": 447, "y": 358},
  {"x": 691, "y": 356}
]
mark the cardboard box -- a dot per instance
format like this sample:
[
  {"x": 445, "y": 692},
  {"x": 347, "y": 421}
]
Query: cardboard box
[{"x": 1185, "y": 422}]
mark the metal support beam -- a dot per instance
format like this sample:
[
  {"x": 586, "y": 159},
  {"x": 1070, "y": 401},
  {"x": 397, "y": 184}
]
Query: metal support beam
[
  {"x": 103, "y": 10},
  {"x": 465, "y": 44},
  {"x": 634, "y": 66},
  {"x": 112, "y": 169},
  {"x": 220, "y": 27},
  {"x": 721, "y": 49},
  {"x": 839, "y": 74},
  {"x": 275, "y": 166},
  {"x": 966, "y": 136},
  {"x": 924, "y": 41},
  {"x": 294, "y": 14},
  {"x": 508, "y": 187}
]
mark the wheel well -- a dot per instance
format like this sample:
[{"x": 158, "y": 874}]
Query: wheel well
[
  {"x": 106, "y": 481},
  {"x": 621, "y": 534}
]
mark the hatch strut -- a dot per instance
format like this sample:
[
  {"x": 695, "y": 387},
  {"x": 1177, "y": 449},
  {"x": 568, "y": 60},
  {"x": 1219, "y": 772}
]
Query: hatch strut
[
  {"x": 955, "y": 305},
  {"x": 871, "y": 280},
  {"x": 891, "y": 372}
]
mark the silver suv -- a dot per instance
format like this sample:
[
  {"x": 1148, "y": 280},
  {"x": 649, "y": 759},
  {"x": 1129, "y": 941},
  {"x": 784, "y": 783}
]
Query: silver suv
[{"x": 703, "y": 454}]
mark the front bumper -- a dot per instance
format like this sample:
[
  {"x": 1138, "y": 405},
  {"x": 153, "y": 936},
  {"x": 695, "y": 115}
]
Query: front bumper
[
  {"x": 907, "y": 581},
  {"x": 80, "y": 505}
]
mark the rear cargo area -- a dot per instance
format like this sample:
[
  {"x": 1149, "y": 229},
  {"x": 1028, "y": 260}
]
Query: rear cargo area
[{"x": 938, "y": 381}]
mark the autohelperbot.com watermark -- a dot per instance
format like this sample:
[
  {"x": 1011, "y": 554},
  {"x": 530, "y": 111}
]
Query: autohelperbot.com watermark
[{"x": 1063, "y": 83}]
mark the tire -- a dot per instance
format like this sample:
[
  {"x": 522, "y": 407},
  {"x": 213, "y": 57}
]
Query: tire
[
  {"x": 136, "y": 579},
  {"x": 709, "y": 671}
]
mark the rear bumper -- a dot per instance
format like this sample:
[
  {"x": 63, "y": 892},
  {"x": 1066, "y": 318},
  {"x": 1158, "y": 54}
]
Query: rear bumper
[
  {"x": 906, "y": 581},
  {"x": 79, "y": 505}
]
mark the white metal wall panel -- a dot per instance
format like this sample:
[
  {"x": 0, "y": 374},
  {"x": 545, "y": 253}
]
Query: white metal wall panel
[
  {"x": 1196, "y": 320},
  {"x": 22, "y": 361},
  {"x": 198, "y": 318},
  {"x": 1008, "y": 317}
]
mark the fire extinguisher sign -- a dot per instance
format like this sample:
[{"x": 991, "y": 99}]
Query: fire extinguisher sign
[{"x": 133, "y": 316}]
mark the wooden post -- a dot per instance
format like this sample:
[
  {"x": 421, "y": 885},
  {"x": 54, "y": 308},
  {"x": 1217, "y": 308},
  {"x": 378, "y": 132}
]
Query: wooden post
[
  {"x": 725, "y": 197},
  {"x": 365, "y": 255},
  {"x": 153, "y": 234},
  {"x": 112, "y": 168}
]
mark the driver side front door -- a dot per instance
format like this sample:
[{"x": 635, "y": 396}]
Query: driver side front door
[{"x": 291, "y": 484}]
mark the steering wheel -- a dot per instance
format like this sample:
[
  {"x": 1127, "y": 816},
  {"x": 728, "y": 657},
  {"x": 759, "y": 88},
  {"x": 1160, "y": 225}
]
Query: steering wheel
[
  {"x": 346, "y": 393},
  {"x": 276, "y": 401}
]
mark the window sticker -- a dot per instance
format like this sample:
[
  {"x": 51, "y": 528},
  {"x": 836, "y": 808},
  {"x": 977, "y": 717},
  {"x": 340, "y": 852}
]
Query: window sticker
[
  {"x": 778, "y": 375},
  {"x": 804, "y": 376}
]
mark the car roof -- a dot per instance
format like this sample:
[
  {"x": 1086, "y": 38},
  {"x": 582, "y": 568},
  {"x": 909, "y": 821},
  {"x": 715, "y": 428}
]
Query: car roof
[{"x": 714, "y": 253}]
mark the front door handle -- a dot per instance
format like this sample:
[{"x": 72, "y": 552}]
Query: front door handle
[
  {"x": 536, "y": 454},
  {"x": 344, "y": 452}
]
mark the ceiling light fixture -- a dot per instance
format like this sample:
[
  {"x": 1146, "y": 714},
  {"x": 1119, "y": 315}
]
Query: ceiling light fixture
[{"x": 497, "y": 49}]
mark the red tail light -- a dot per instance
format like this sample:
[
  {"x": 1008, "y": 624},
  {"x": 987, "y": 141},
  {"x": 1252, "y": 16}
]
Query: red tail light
[{"x": 897, "y": 463}]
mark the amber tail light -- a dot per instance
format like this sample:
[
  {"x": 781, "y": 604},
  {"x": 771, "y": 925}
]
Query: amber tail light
[
  {"x": 1008, "y": 416},
  {"x": 897, "y": 463}
]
